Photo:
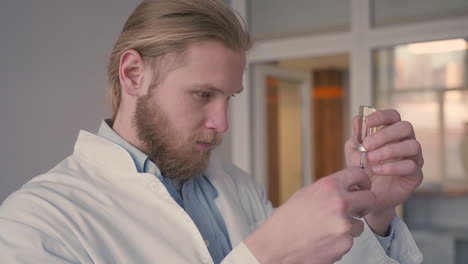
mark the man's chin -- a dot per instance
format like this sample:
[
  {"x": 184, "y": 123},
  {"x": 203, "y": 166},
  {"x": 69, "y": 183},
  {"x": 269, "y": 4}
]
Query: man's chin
[{"x": 202, "y": 156}]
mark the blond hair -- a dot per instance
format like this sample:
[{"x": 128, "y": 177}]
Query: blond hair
[{"x": 160, "y": 27}]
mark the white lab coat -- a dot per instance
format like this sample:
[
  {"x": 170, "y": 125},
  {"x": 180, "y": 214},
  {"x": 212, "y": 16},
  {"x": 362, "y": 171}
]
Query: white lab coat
[{"x": 94, "y": 207}]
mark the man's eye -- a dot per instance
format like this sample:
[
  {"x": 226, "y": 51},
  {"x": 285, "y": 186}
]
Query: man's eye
[{"x": 203, "y": 94}]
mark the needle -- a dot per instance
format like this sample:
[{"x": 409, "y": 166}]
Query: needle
[{"x": 362, "y": 163}]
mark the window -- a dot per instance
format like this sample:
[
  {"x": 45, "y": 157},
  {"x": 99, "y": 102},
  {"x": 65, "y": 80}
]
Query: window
[
  {"x": 427, "y": 83},
  {"x": 397, "y": 12},
  {"x": 271, "y": 19}
]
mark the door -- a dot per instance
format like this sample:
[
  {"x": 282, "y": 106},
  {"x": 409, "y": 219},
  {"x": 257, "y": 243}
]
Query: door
[{"x": 282, "y": 130}]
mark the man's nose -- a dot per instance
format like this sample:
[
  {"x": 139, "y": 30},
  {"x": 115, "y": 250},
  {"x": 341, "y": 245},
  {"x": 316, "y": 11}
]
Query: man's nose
[{"x": 217, "y": 118}]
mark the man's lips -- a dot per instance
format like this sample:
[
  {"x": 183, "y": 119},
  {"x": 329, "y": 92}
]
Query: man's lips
[{"x": 206, "y": 144}]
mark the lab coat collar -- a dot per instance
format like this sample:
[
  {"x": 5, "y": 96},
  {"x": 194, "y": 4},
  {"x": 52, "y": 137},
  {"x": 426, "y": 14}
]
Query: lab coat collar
[{"x": 104, "y": 154}]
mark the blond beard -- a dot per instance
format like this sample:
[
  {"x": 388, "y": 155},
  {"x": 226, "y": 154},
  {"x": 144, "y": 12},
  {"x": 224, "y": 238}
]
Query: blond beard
[{"x": 175, "y": 158}]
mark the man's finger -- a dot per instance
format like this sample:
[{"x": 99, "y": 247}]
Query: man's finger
[
  {"x": 352, "y": 177},
  {"x": 383, "y": 118},
  {"x": 395, "y": 151},
  {"x": 395, "y": 168},
  {"x": 362, "y": 202},
  {"x": 357, "y": 227},
  {"x": 396, "y": 132}
]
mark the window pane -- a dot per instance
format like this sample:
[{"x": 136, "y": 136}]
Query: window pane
[
  {"x": 391, "y": 12},
  {"x": 284, "y": 137},
  {"x": 277, "y": 18},
  {"x": 426, "y": 65},
  {"x": 456, "y": 135},
  {"x": 417, "y": 67},
  {"x": 290, "y": 137},
  {"x": 422, "y": 111}
]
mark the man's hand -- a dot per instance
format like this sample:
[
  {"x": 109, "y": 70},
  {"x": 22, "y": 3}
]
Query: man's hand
[
  {"x": 317, "y": 224},
  {"x": 394, "y": 162}
]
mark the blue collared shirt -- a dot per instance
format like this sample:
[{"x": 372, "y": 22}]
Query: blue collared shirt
[
  {"x": 196, "y": 196},
  {"x": 386, "y": 242}
]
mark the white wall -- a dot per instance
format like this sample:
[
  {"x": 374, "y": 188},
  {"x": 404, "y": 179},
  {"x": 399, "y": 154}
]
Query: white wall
[{"x": 53, "y": 56}]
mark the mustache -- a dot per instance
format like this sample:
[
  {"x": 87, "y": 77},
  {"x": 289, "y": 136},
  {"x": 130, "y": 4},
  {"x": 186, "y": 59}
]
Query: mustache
[{"x": 212, "y": 139}]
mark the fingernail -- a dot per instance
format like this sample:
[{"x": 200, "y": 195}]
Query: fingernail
[{"x": 367, "y": 144}]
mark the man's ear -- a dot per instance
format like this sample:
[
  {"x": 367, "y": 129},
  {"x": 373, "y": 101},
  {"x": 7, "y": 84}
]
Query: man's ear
[{"x": 132, "y": 73}]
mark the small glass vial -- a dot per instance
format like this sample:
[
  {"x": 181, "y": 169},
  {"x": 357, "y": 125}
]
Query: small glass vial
[{"x": 364, "y": 131}]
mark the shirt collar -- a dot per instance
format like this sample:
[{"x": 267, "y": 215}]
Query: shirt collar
[{"x": 141, "y": 160}]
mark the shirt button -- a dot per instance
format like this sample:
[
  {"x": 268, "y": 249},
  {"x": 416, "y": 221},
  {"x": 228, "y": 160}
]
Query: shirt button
[
  {"x": 154, "y": 186},
  {"x": 207, "y": 243}
]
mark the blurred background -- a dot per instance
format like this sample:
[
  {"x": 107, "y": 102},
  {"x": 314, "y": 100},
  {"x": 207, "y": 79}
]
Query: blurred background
[{"x": 314, "y": 62}]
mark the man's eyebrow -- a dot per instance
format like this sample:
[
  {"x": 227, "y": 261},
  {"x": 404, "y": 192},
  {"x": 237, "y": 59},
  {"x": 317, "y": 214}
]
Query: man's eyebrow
[{"x": 216, "y": 89}]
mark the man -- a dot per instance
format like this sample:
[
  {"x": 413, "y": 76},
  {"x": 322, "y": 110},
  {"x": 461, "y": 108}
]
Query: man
[{"x": 145, "y": 190}]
